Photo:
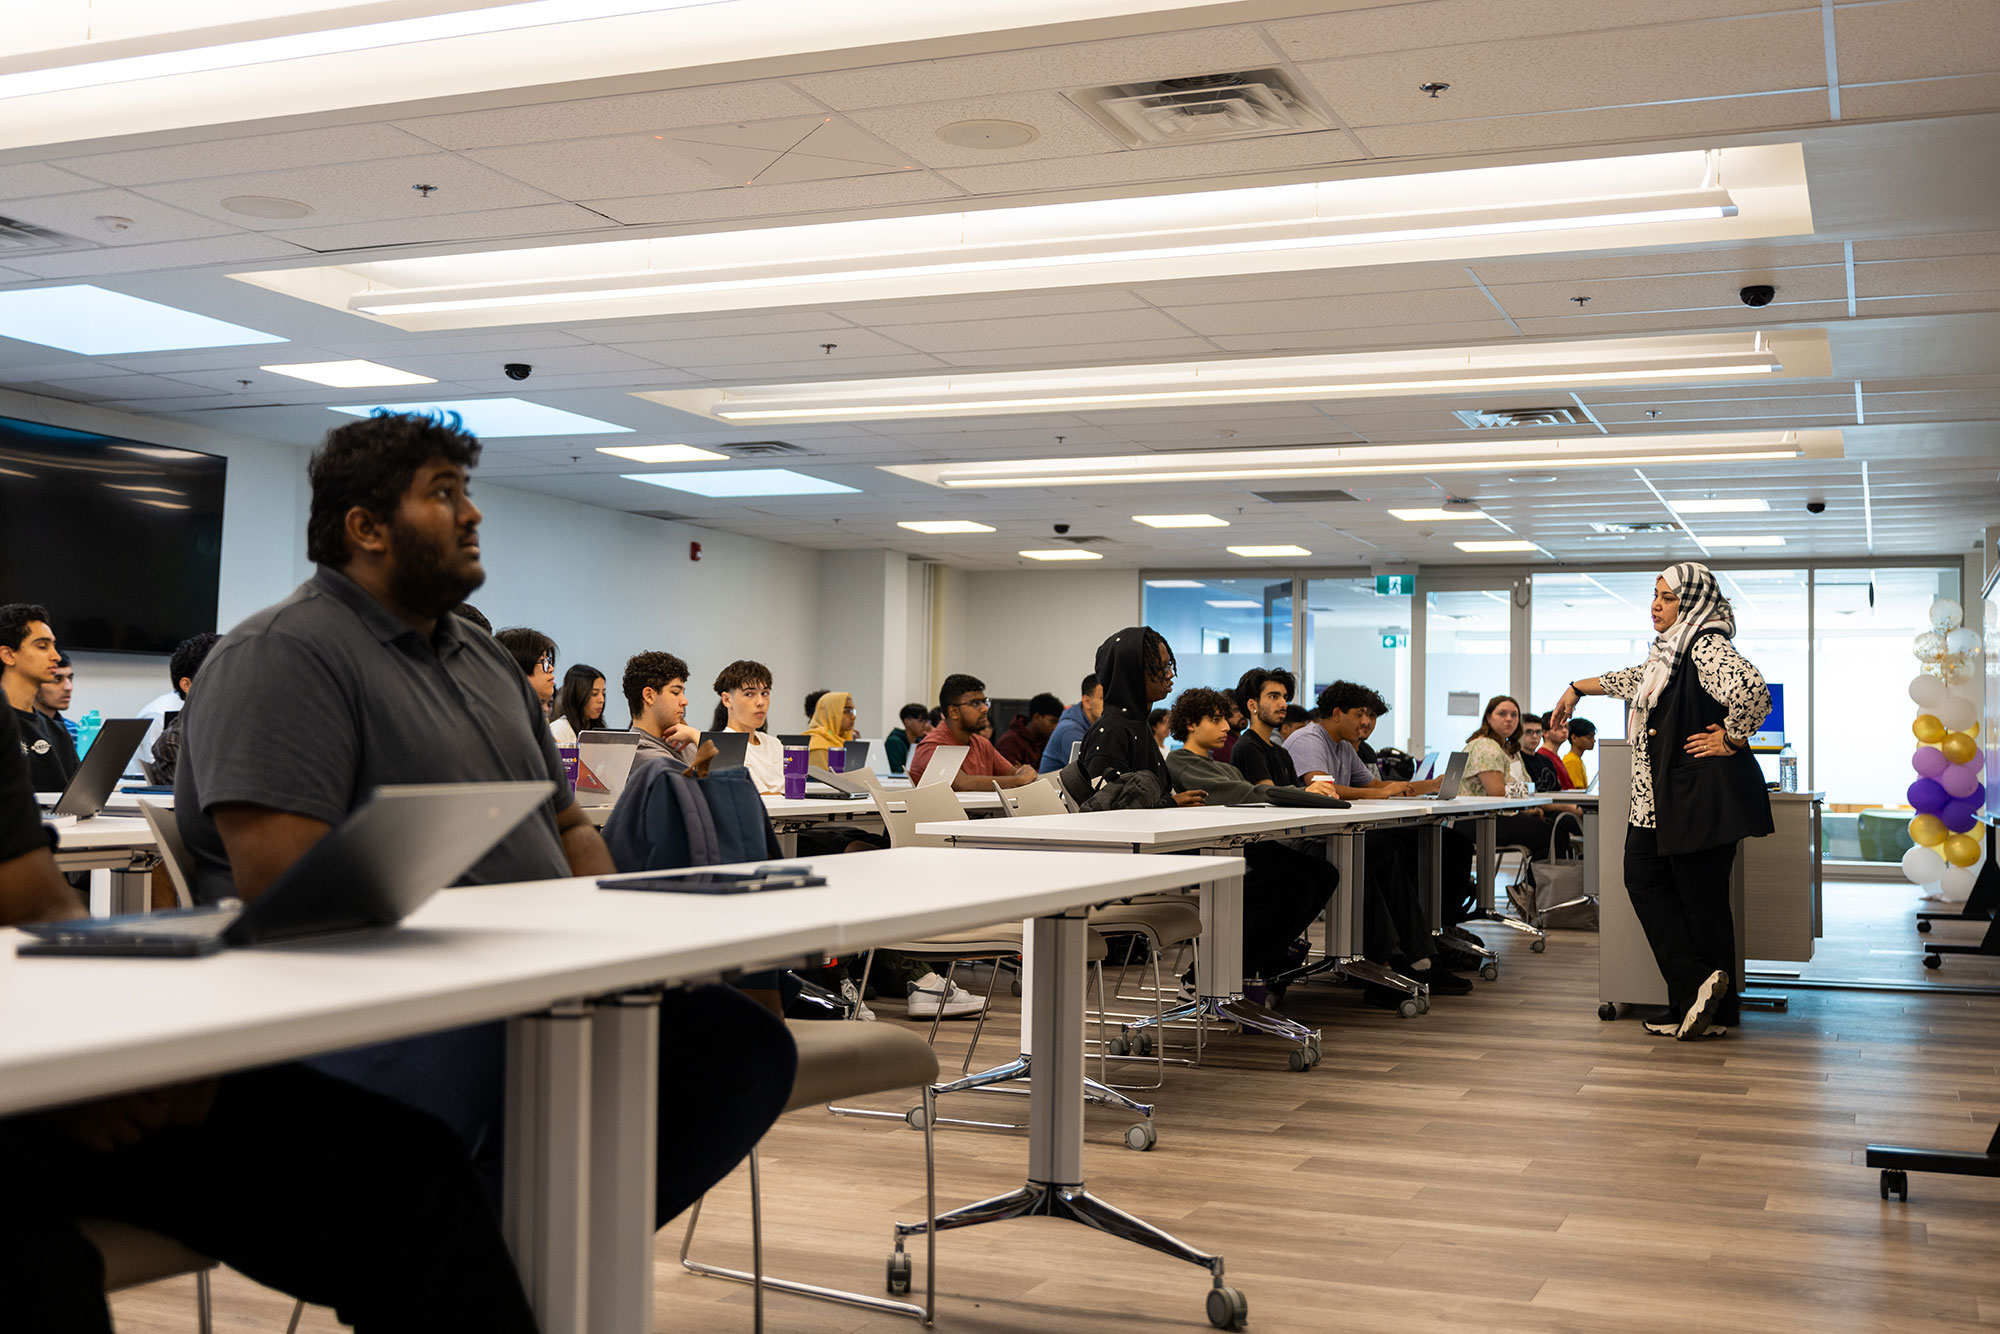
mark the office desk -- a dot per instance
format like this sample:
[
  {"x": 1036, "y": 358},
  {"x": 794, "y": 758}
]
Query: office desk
[
  {"x": 121, "y": 844},
  {"x": 569, "y": 966},
  {"x": 791, "y": 816}
]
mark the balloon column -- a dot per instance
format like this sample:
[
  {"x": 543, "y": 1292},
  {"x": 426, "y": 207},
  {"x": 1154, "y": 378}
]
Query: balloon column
[{"x": 1948, "y": 793}]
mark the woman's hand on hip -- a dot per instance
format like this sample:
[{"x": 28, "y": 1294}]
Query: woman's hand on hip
[{"x": 1713, "y": 741}]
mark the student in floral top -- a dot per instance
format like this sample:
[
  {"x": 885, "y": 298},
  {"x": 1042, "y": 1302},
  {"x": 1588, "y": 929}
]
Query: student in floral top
[
  {"x": 1696, "y": 792},
  {"x": 1493, "y": 764}
]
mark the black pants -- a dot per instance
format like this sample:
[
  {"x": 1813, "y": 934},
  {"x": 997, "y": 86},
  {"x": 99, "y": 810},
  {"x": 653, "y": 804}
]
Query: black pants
[
  {"x": 1394, "y": 924},
  {"x": 1458, "y": 898},
  {"x": 1283, "y": 890},
  {"x": 735, "y": 1056},
  {"x": 303, "y": 1182},
  {"x": 1683, "y": 903},
  {"x": 1525, "y": 831}
]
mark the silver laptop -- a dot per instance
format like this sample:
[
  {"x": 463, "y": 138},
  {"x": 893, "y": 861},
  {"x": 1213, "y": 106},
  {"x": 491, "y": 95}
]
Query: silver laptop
[
  {"x": 103, "y": 767},
  {"x": 731, "y": 749},
  {"x": 846, "y": 787},
  {"x": 945, "y": 762},
  {"x": 603, "y": 765},
  {"x": 1454, "y": 774}
]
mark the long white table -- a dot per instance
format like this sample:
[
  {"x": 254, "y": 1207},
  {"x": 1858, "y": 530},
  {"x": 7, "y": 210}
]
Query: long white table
[{"x": 572, "y": 968}]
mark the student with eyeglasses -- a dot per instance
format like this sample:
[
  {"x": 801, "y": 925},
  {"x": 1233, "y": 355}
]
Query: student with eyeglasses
[
  {"x": 535, "y": 654},
  {"x": 967, "y": 720}
]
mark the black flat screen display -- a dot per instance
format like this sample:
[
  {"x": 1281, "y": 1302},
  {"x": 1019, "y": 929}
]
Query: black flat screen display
[{"x": 120, "y": 540}]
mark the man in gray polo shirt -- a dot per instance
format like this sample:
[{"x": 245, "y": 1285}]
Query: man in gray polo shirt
[{"x": 362, "y": 678}]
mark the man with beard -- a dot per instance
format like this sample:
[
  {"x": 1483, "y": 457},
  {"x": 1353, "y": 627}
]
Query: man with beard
[
  {"x": 966, "y": 721},
  {"x": 361, "y": 679}
]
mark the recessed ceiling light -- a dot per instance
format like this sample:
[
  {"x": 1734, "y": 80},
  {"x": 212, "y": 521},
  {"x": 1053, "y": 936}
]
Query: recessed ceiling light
[
  {"x": 1759, "y": 541},
  {"x": 938, "y": 526},
  {"x": 737, "y": 483},
  {"x": 1749, "y": 505},
  {"x": 994, "y": 134},
  {"x": 500, "y": 417},
  {"x": 1064, "y": 553},
  {"x": 1483, "y": 547},
  {"x": 1175, "y": 583},
  {"x": 348, "y": 374},
  {"x": 662, "y": 453},
  {"x": 1180, "y": 521},
  {"x": 94, "y": 322},
  {"x": 267, "y": 206},
  {"x": 1237, "y": 604},
  {"x": 1262, "y": 553},
  {"x": 1437, "y": 515},
  {"x": 1533, "y": 478}
]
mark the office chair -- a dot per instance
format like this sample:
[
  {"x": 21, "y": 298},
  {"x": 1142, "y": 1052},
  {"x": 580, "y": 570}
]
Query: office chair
[{"x": 133, "y": 1256}]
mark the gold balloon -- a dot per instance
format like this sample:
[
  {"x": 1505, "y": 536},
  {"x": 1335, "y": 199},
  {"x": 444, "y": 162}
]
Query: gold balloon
[
  {"x": 1958, "y": 747},
  {"x": 1929, "y": 730},
  {"x": 1928, "y": 831},
  {"x": 1961, "y": 850}
]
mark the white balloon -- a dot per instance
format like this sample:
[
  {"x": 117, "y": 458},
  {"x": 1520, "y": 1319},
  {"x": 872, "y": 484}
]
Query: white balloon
[
  {"x": 1923, "y": 866},
  {"x": 1956, "y": 671},
  {"x": 1957, "y": 881},
  {"x": 1928, "y": 692},
  {"x": 1946, "y": 615},
  {"x": 1928, "y": 646},
  {"x": 1958, "y": 714},
  {"x": 1962, "y": 640}
]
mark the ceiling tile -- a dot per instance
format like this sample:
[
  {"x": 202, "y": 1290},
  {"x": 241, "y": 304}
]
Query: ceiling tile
[
  {"x": 1594, "y": 326},
  {"x": 1917, "y": 277},
  {"x": 1915, "y": 39},
  {"x": 264, "y": 152},
  {"x": 1920, "y": 247},
  {"x": 395, "y": 344},
  {"x": 713, "y": 326},
  {"x": 1704, "y": 291},
  {"x": 359, "y": 191},
  {"x": 1734, "y": 259},
  {"x": 771, "y": 372},
  {"x": 1608, "y": 126},
  {"x": 1329, "y": 283},
  {"x": 237, "y": 249},
  {"x": 749, "y": 349},
  {"x": 1171, "y": 163},
  {"x": 577, "y": 360},
  {"x": 952, "y": 309},
  {"x": 1064, "y": 130},
  {"x": 1364, "y": 310},
  {"x": 1370, "y": 28},
  {"x": 596, "y": 168},
  {"x": 1920, "y": 97},
  {"x": 1385, "y": 336},
  {"x": 1152, "y": 350},
  {"x": 491, "y": 225},
  {"x": 27, "y": 179},
  {"x": 794, "y": 199},
  {"x": 640, "y": 113},
  {"x": 1038, "y": 331},
  {"x": 151, "y": 221}
]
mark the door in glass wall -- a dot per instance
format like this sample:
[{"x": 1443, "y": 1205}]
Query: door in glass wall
[
  {"x": 1220, "y": 628},
  {"x": 1467, "y": 657},
  {"x": 1361, "y": 636}
]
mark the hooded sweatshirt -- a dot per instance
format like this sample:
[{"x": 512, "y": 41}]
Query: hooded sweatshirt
[
  {"x": 1122, "y": 741},
  {"x": 824, "y": 732},
  {"x": 1018, "y": 745}
]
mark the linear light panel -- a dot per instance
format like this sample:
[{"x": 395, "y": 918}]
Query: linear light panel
[
  {"x": 1436, "y": 515},
  {"x": 1175, "y": 583},
  {"x": 348, "y": 374},
  {"x": 1750, "y": 505},
  {"x": 1260, "y": 553},
  {"x": 737, "y": 483},
  {"x": 1485, "y": 547},
  {"x": 662, "y": 453},
  {"x": 1238, "y": 465},
  {"x": 1760, "y": 541},
  {"x": 94, "y": 322},
  {"x": 1237, "y": 604},
  {"x": 1062, "y": 553},
  {"x": 1652, "y": 199},
  {"x": 499, "y": 417},
  {"x": 1180, "y": 521},
  {"x": 937, "y": 527}
]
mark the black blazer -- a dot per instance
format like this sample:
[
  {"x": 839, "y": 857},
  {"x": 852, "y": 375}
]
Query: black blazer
[{"x": 1700, "y": 801}]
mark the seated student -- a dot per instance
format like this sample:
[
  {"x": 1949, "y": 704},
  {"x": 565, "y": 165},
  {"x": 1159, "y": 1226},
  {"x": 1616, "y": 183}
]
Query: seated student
[
  {"x": 579, "y": 705},
  {"x": 358, "y": 680},
  {"x": 1076, "y": 720},
  {"x": 1544, "y": 771},
  {"x": 1554, "y": 733},
  {"x": 52, "y": 700},
  {"x": 963, "y": 702},
  {"x": 745, "y": 688},
  {"x": 655, "y": 686},
  {"x": 303, "y": 1182},
  {"x": 188, "y": 657},
  {"x": 1236, "y": 721},
  {"x": 1364, "y": 751},
  {"x": 1284, "y": 889},
  {"x": 27, "y": 663},
  {"x": 1582, "y": 740},
  {"x": 832, "y": 724},
  {"x": 1493, "y": 764},
  {"x": 812, "y": 703},
  {"x": 535, "y": 654},
  {"x": 1028, "y": 735},
  {"x": 467, "y": 612},
  {"x": 1296, "y": 716},
  {"x": 1161, "y": 723},
  {"x": 1136, "y": 667},
  {"x": 915, "y": 720}
]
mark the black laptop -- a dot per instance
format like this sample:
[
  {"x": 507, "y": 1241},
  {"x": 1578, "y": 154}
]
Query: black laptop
[
  {"x": 380, "y": 865},
  {"x": 730, "y": 749},
  {"x": 102, "y": 768}
]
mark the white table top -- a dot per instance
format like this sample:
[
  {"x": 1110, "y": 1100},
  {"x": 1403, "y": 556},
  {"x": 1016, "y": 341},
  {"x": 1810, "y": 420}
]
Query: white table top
[
  {"x": 81, "y": 1028},
  {"x": 1169, "y": 827},
  {"x": 105, "y": 832}
]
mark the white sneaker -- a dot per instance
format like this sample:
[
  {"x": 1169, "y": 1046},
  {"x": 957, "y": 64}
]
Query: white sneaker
[
  {"x": 852, "y": 995},
  {"x": 931, "y": 997}
]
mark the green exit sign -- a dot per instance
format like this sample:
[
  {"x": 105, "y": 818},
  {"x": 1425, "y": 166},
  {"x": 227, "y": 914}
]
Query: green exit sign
[
  {"x": 1395, "y": 641},
  {"x": 1395, "y": 585}
]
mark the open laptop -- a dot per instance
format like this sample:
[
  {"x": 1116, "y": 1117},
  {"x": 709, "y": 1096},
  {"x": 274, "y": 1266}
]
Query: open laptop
[
  {"x": 1454, "y": 775},
  {"x": 604, "y": 763},
  {"x": 857, "y": 756},
  {"x": 102, "y": 769},
  {"x": 846, "y": 787},
  {"x": 382, "y": 863},
  {"x": 730, "y": 748},
  {"x": 945, "y": 762},
  {"x": 1428, "y": 769}
]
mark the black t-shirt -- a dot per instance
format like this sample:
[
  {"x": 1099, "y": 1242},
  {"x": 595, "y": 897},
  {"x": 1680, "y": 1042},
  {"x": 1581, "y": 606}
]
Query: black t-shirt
[
  {"x": 45, "y": 743},
  {"x": 1259, "y": 761},
  {"x": 21, "y": 827}
]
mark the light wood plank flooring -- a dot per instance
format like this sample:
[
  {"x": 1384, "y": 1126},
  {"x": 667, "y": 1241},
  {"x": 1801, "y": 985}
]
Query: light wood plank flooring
[{"x": 1507, "y": 1162}]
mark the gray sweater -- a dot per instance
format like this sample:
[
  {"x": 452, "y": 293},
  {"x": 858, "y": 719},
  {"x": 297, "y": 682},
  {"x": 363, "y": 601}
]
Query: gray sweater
[{"x": 1224, "y": 783}]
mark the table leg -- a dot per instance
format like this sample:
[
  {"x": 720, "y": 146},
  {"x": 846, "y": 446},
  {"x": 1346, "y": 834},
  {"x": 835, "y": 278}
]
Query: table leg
[
  {"x": 1430, "y": 871},
  {"x": 1486, "y": 860},
  {"x": 546, "y": 1211},
  {"x": 1350, "y": 853},
  {"x": 624, "y": 1121}
]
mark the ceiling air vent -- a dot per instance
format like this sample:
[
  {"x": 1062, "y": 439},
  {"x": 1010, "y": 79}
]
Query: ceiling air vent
[
  {"x": 1487, "y": 419},
  {"x": 762, "y": 449},
  {"x": 16, "y": 235},
  {"x": 1202, "y": 108},
  {"x": 1304, "y": 497},
  {"x": 1657, "y": 526},
  {"x": 668, "y": 515}
]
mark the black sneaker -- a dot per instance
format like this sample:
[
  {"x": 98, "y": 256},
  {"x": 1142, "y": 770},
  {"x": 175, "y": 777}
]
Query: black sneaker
[
  {"x": 1459, "y": 958},
  {"x": 1666, "y": 1025},
  {"x": 1708, "y": 1000},
  {"x": 1460, "y": 933},
  {"x": 1442, "y": 981}
]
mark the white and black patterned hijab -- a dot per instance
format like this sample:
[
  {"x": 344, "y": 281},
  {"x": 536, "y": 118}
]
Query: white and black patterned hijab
[{"x": 1702, "y": 608}]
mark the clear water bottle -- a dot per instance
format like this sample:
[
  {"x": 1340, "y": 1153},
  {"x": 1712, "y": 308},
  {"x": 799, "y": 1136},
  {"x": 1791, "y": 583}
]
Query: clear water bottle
[
  {"x": 1788, "y": 769},
  {"x": 86, "y": 731}
]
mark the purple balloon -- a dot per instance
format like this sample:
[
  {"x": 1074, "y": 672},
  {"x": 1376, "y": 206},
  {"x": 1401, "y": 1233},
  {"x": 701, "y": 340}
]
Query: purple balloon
[
  {"x": 1959, "y": 816},
  {"x": 1929, "y": 761},
  {"x": 1928, "y": 796},
  {"x": 1960, "y": 780}
]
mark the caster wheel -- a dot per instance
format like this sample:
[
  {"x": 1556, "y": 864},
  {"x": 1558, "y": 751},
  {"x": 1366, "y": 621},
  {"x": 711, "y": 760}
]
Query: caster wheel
[
  {"x": 1607, "y": 1012},
  {"x": 1489, "y": 971},
  {"x": 1933, "y": 961},
  {"x": 1924, "y": 928},
  {"x": 1896, "y": 1182},
  {"x": 915, "y": 1116},
  {"x": 1118, "y": 1046},
  {"x": 1538, "y": 944},
  {"x": 1145, "y": 1043},
  {"x": 1299, "y": 1058},
  {"x": 1227, "y": 1308},
  {"x": 1141, "y": 1136},
  {"x": 1314, "y": 1050},
  {"x": 1410, "y": 1008},
  {"x": 1423, "y": 1005},
  {"x": 1014, "y": 987},
  {"x": 899, "y": 1273}
]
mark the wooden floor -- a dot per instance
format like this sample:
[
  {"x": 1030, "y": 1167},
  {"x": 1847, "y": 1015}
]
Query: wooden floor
[{"x": 1507, "y": 1162}]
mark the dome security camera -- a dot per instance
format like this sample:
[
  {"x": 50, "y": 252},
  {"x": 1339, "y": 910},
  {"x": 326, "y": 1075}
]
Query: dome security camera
[
  {"x": 1815, "y": 506},
  {"x": 1061, "y": 528},
  {"x": 518, "y": 370},
  {"x": 1758, "y": 294}
]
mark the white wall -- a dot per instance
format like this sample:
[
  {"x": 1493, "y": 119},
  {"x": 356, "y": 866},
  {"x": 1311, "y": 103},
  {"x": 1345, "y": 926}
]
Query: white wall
[{"x": 1031, "y": 630}]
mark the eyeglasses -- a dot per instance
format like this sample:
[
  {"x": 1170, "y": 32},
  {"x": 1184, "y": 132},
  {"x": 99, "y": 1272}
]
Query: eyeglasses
[
  {"x": 546, "y": 663},
  {"x": 975, "y": 704}
]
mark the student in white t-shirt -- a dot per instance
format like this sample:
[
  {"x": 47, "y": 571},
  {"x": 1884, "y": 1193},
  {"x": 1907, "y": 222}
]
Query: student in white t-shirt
[{"x": 745, "y": 688}]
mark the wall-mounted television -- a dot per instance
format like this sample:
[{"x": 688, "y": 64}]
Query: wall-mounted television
[{"x": 121, "y": 540}]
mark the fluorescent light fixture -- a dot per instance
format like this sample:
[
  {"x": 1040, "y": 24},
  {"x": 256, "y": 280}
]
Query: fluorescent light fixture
[
  {"x": 1180, "y": 521},
  {"x": 1682, "y": 358},
  {"x": 348, "y": 374},
  {"x": 143, "y": 490},
  {"x": 1742, "y": 541},
  {"x": 165, "y": 504},
  {"x": 500, "y": 417},
  {"x": 1261, "y": 553},
  {"x": 1064, "y": 553},
  {"x": 1484, "y": 547},
  {"x": 663, "y": 453},
  {"x": 1239, "y": 465},
  {"x": 1237, "y": 604},
  {"x": 941, "y": 526},
  {"x": 1745, "y": 506},
  {"x": 93, "y": 322},
  {"x": 1436, "y": 515},
  {"x": 1650, "y": 199},
  {"x": 738, "y": 483},
  {"x": 1175, "y": 583}
]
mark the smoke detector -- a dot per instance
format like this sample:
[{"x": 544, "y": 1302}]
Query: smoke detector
[
  {"x": 1491, "y": 419},
  {"x": 1202, "y": 108}
]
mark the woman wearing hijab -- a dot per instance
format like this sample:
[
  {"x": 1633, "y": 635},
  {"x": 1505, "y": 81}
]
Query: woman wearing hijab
[
  {"x": 1696, "y": 792},
  {"x": 832, "y": 725}
]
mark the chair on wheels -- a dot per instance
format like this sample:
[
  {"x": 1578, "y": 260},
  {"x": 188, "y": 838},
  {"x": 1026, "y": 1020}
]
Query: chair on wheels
[
  {"x": 845, "y": 1060},
  {"x": 133, "y": 1256},
  {"x": 173, "y": 852}
]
